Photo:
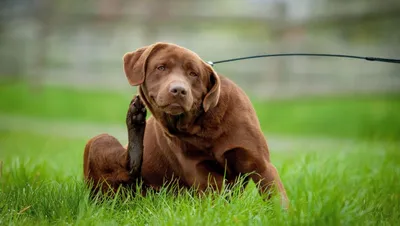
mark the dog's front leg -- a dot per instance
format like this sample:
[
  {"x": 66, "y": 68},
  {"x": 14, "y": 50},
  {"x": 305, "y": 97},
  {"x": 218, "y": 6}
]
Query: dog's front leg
[
  {"x": 260, "y": 169},
  {"x": 136, "y": 123}
]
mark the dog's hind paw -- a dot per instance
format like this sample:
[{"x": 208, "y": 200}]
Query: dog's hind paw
[
  {"x": 136, "y": 117},
  {"x": 136, "y": 123}
]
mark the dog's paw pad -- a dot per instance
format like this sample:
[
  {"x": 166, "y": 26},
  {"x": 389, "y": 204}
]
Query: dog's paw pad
[{"x": 136, "y": 113}]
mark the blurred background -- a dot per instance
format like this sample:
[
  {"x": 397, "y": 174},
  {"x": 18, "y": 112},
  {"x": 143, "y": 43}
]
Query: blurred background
[
  {"x": 75, "y": 43},
  {"x": 61, "y": 72}
]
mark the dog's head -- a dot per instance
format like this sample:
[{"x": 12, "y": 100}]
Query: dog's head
[{"x": 172, "y": 79}]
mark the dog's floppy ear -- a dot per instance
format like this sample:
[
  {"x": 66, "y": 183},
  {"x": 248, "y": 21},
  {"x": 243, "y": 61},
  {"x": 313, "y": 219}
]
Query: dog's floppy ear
[
  {"x": 212, "y": 97},
  {"x": 135, "y": 63},
  {"x": 134, "y": 66}
]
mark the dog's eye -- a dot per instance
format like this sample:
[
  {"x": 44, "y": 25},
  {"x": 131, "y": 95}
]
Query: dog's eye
[
  {"x": 161, "y": 68},
  {"x": 193, "y": 74}
]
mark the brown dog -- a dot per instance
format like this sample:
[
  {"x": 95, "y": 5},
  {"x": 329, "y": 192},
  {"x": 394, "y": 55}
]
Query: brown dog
[{"x": 203, "y": 127}]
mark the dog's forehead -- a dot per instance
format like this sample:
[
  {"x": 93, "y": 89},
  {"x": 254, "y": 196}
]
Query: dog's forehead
[{"x": 175, "y": 53}]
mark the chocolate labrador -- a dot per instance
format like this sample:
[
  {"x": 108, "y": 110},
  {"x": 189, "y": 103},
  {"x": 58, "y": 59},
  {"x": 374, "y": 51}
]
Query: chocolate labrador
[{"x": 203, "y": 131}]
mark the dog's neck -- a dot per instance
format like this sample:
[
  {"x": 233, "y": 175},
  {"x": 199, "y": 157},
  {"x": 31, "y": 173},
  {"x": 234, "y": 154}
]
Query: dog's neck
[
  {"x": 182, "y": 124},
  {"x": 190, "y": 124},
  {"x": 173, "y": 124}
]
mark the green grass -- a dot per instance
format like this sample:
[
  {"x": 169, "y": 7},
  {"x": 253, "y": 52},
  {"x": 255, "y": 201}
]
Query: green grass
[
  {"x": 350, "y": 181},
  {"x": 42, "y": 184},
  {"x": 365, "y": 117},
  {"x": 64, "y": 103}
]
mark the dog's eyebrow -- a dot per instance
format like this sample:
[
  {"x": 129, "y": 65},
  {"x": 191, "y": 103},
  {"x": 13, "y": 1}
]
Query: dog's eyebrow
[
  {"x": 190, "y": 64},
  {"x": 165, "y": 60}
]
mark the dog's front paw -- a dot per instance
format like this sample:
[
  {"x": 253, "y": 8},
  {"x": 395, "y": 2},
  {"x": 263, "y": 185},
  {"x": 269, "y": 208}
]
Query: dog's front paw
[{"x": 136, "y": 117}]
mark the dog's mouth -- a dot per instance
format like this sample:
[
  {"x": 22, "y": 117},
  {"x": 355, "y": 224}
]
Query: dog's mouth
[{"x": 173, "y": 109}]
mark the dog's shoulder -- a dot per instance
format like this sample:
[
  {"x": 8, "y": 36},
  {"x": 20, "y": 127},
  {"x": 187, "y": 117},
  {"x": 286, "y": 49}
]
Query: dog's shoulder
[
  {"x": 234, "y": 101},
  {"x": 239, "y": 123}
]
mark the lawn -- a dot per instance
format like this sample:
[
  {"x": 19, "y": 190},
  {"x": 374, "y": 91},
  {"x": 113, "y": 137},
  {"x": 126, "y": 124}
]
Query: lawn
[
  {"x": 351, "y": 179},
  {"x": 370, "y": 117}
]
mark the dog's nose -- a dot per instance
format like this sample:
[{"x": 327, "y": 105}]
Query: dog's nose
[{"x": 178, "y": 90}]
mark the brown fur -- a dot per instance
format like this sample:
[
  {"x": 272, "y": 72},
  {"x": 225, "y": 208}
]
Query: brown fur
[{"x": 208, "y": 131}]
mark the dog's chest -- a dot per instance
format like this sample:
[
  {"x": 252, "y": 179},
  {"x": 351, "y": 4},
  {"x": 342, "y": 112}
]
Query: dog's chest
[{"x": 197, "y": 151}]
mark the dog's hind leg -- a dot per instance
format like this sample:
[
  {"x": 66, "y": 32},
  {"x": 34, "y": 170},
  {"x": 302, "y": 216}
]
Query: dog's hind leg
[
  {"x": 107, "y": 164},
  {"x": 136, "y": 123},
  {"x": 104, "y": 164}
]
